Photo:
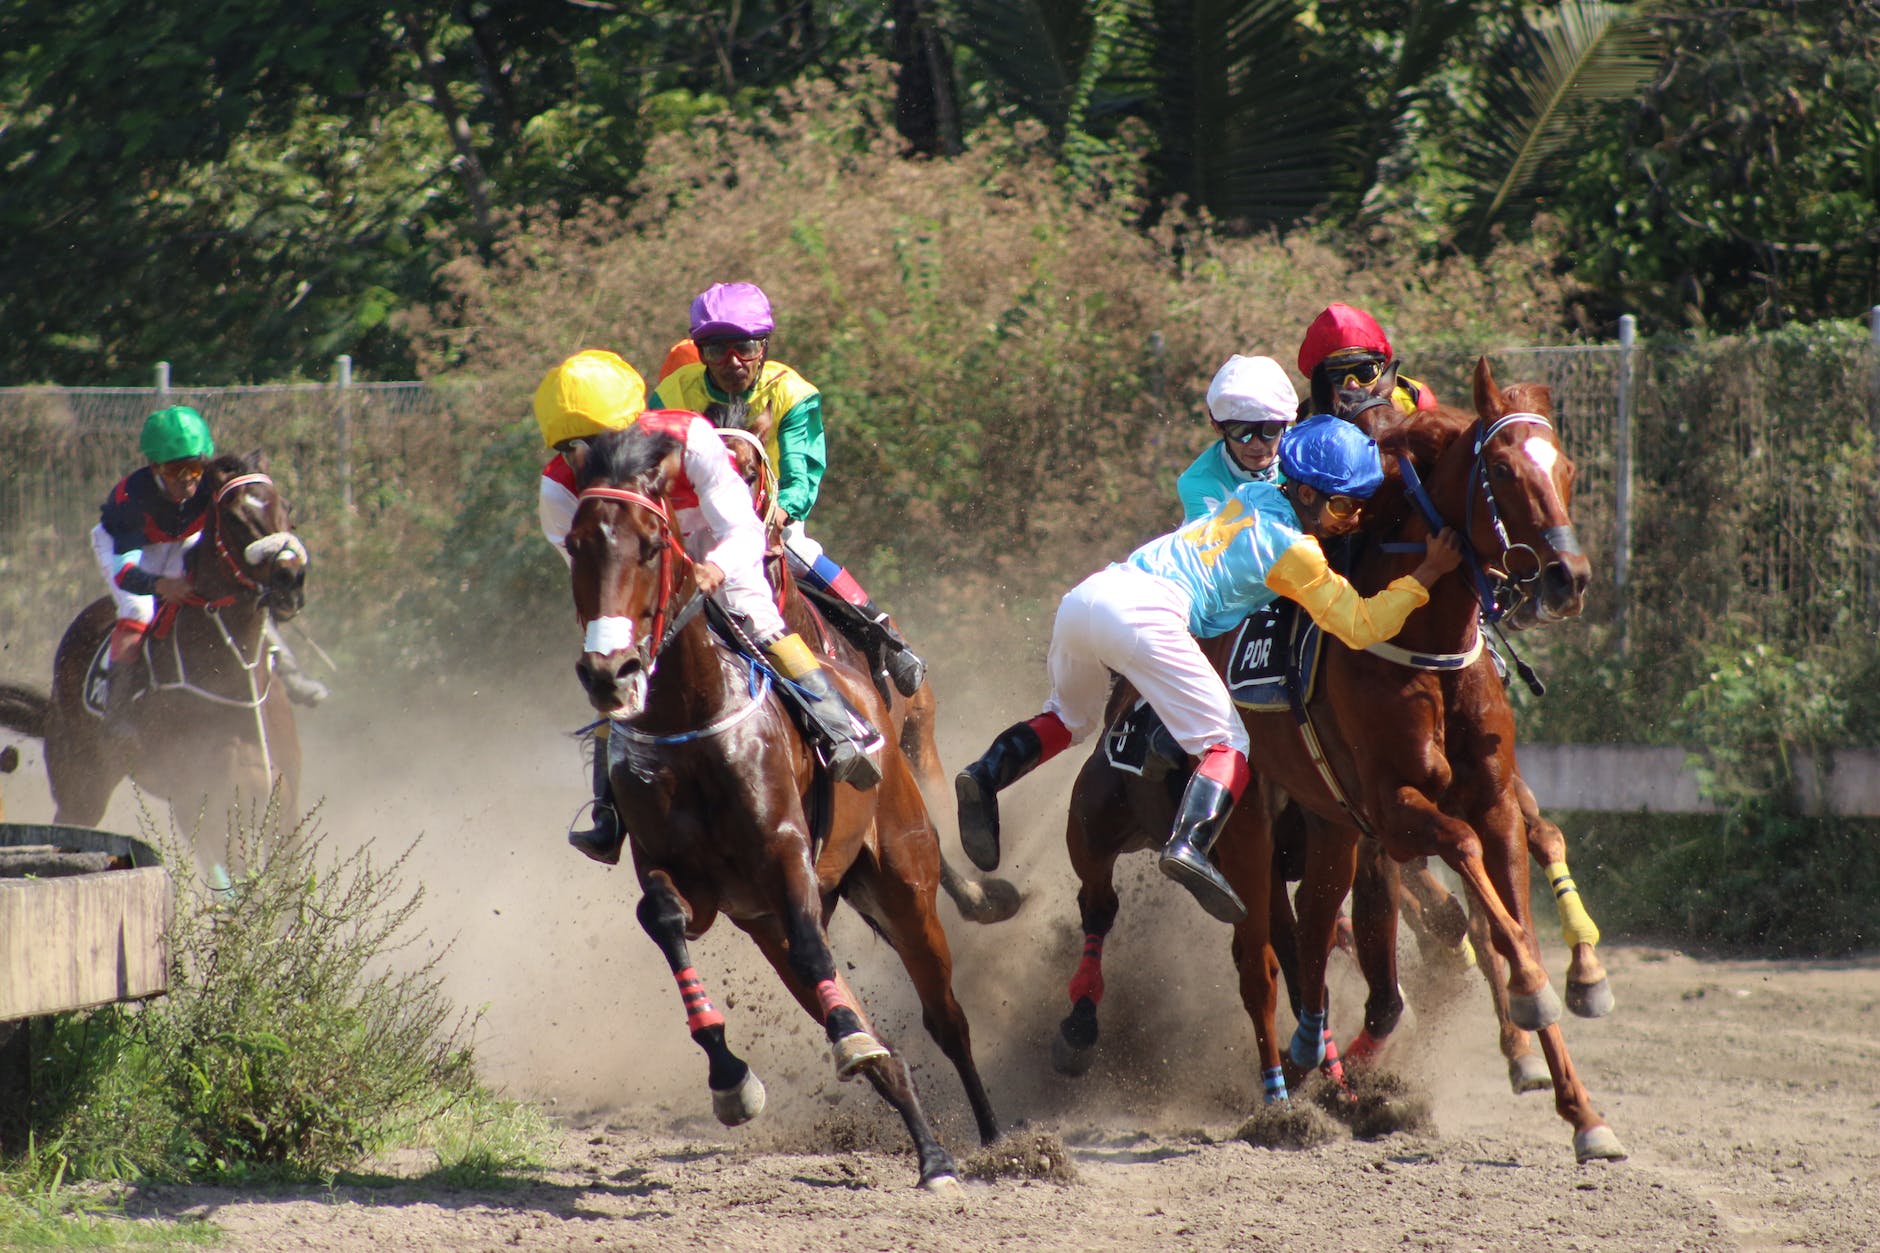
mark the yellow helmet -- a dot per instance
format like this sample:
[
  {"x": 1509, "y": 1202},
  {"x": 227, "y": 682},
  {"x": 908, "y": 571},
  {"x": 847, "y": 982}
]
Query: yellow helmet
[{"x": 590, "y": 392}]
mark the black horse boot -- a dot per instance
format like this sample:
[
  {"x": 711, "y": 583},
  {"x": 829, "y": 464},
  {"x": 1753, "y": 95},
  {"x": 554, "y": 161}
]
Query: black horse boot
[
  {"x": 1205, "y": 805},
  {"x": 1020, "y": 749},
  {"x": 602, "y": 840},
  {"x": 838, "y": 729}
]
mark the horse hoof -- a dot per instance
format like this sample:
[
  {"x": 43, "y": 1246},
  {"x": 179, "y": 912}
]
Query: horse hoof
[
  {"x": 1590, "y": 1000},
  {"x": 1597, "y": 1144},
  {"x": 1068, "y": 1059},
  {"x": 943, "y": 1185},
  {"x": 1534, "y": 1012},
  {"x": 856, "y": 1050},
  {"x": 736, "y": 1106},
  {"x": 997, "y": 900},
  {"x": 1529, "y": 1073}
]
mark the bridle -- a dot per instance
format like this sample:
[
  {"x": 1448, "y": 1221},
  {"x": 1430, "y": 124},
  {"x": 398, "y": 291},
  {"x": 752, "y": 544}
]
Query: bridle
[
  {"x": 230, "y": 563},
  {"x": 602, "y": 634}
]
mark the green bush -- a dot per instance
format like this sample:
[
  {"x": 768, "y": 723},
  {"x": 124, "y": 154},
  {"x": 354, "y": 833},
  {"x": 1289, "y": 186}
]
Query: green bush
[{"x": 291, "y": 1043}]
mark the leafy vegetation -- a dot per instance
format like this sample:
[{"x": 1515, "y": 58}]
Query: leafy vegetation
[{"x": 297, "y": 1040}]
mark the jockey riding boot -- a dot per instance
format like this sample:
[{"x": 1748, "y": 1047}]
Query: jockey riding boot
[
  {"x": 841, "y": 732},
  {"x": 1210, "y": 796},
  {"x": 864, "y": 622},
  {"x": 602, "y": 840},
  {"x": 120, "y": 691},
  {"x": 1020, "y": 749},
  {"x": 302, "y": 688}
]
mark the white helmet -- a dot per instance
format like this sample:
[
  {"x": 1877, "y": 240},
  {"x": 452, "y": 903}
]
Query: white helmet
[{"x": 1252, "y": 389}]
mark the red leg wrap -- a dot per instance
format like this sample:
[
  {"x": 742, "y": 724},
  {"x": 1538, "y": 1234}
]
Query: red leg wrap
[
  {"x": 1088, "y": 981},
  {"x": 699, "y": 1011},
  {"x": 1333, "y": 1068},
  {"x": 831, "y": 997},
  {"x": 1364, "y": 1047}
]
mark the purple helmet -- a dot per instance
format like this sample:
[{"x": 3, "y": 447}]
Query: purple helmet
[{"x": 731, "y": 311}]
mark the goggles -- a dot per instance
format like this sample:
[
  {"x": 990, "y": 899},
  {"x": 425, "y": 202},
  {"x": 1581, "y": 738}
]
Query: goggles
[
  {"x": 1343, "y": 508},
  {"x": 1357, "y": 372},
  {"x": 714, "y": 352},
  {"x": 1247, "y": 432}
]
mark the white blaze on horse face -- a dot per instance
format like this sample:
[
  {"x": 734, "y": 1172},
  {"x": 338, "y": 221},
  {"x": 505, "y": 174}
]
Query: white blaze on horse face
[
  {"x": 609, "y": 635},
  {"x": 1543, "y": 454}
]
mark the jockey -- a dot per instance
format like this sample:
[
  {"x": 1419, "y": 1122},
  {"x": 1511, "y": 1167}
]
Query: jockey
[
  {"x": 1250, "y": 403},
  {"x": 1345, "y": 347},
  {"x": 731, "y": 326},
  {"x": 1140, "y": 618},
  {"x": 596, "y": 391},
  {"x": 150, "y": 519}
]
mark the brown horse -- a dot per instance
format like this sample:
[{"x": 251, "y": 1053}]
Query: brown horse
[
  {"x": 1422, "y": 759},
  {"x": 721, "y": 798},
  {"x": 212, "y": 726},
  {"x": 982, "y": 900}
]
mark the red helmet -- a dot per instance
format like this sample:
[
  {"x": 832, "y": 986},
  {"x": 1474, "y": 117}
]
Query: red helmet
[{"x": 1341, "y": 328}]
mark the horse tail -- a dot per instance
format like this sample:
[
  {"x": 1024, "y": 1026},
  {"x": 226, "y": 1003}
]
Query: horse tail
[{"x": 24, "y": 710}]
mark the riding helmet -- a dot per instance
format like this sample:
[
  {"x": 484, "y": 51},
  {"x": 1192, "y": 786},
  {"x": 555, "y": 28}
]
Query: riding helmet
[
  {"x": 1252, "y": 389},
  {"x": 175, "y": 434},
  {"x": 590, "y": 392},
  {"x": 1332, "y": 455},
  {"x": 1342, "y": 331},
  {"x": 731, "y": 311}
]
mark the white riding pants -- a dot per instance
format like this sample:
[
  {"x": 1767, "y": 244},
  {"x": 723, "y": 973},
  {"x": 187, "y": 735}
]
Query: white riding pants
[{"x": 1129, "y": 621}]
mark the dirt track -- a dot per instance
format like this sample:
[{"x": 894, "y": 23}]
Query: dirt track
[{"x": 1747, "y": 1093}]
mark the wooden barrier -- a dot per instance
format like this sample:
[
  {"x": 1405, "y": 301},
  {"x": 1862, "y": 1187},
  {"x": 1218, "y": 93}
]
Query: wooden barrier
[{"x": 1634, "y": 778}]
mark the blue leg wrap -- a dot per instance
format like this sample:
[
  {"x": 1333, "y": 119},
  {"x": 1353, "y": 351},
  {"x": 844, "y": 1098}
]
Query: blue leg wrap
[
  {"x": 1308, "y": 1042},
  {"x": 1275, "y": 1081}
]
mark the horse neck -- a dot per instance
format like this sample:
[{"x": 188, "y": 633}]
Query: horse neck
[
  {"x": 691, "y": 685},
  {"x": 1451, "y": 620}
]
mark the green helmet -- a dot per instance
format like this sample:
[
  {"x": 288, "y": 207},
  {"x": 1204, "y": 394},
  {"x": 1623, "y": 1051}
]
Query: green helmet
[{"x": 174, "y": 434}]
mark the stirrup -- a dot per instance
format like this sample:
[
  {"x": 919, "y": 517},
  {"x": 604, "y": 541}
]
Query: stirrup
[{"x": 905, "y": 670}]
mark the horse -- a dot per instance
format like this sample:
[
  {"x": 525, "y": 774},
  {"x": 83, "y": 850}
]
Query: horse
[
  {"x": 728, "y": 812},
  {"x": 982, "y": 900},
  {"x": 211, "y": 725},
  {"x": 1420, "y": 759}
]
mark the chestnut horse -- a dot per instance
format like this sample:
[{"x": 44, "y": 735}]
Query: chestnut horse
[
  {"x": 721, "y": 799},
  {"x": 1421, "y": 759},
  {"x": 212, "y": 725}
]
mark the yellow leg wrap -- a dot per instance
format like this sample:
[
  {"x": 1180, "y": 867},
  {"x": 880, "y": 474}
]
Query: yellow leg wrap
[
  {"x": 1576, "y": 925},
  {"x": 792, "y": 657}
]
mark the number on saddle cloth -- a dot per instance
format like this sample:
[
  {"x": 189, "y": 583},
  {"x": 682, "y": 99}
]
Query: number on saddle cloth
[{"x": 1137, "y": 743}]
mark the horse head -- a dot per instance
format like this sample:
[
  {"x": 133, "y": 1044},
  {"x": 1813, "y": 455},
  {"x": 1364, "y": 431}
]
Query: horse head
[
  {"x": 248, "y": 549},
  {"x": 626, "y": 561},
  {"x": 1501, "y": 478}
]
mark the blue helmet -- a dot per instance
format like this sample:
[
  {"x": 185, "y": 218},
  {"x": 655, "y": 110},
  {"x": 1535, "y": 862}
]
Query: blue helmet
[{"x": 1332, "y": 455}]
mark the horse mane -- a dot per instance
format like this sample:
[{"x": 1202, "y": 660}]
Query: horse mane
[
  {"x": 731, "y": 415},
  {"x": 634, "y": 455}
]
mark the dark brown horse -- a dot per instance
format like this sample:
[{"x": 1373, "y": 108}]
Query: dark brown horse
[
  {"x": 1421, "y": 759},
  {"x": 719, "y": 794},
  {"x": 212, "y": 726},
  {"x": 979, "y": 899}
]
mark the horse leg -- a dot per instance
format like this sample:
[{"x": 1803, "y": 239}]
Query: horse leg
[
  {"x": 1331, "y": 864},
  {"x": 1093, "y": 859},
  {"x": 77, "y": 773},
  {"x": 985, "y": 900},
  {"x": 889, "y": 894},
  {"x": 1593, "y": 1140},
  {"x": 737, "y": 1093},
  {"x": 1533, "y": 1003},
  {"x": 1589, "y": 991},
  {"x": 798, "y": 948},
  {"x": 1245, "y": 856},
  {"x": 1527, "y": 1070},
  {"x": 1441, "y": 921},
  {"x": 1375, "y": 891}
]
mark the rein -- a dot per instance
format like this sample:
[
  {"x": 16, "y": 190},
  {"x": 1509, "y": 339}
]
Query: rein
[
  {"x": 662, "y": 632},
  {"x": 229, "y": 562}
]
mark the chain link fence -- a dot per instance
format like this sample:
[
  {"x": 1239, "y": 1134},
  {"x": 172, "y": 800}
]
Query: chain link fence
[{"x": 1731, "y": 479}]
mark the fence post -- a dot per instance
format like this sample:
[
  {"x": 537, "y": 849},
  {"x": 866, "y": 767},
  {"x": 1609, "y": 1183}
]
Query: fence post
[
  {"x": 342, "y": 381},
  {"x": 1622, "y": 478},
  {"x": 163, "y": 378}
]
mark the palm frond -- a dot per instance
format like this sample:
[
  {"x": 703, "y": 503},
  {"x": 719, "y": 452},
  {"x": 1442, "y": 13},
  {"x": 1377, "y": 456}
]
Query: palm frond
[
  {"x": 1560, "y": 64},
  {"x": 1033, "y": 50}
]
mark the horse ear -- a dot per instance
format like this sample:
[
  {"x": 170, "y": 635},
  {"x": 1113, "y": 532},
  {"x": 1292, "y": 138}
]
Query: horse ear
[
  {"x": 256, "y": 461},
  {"x": 1488, "y": 398}
]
